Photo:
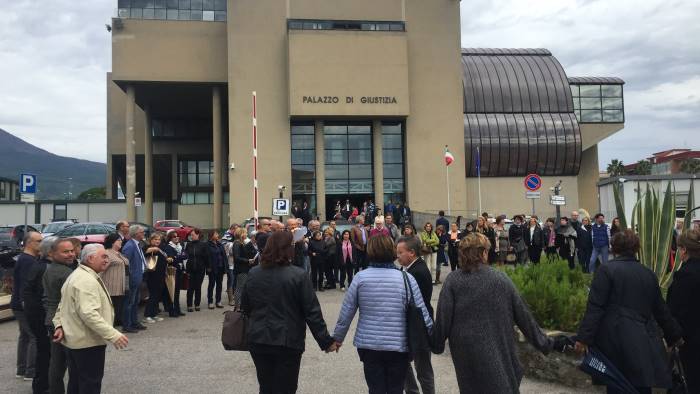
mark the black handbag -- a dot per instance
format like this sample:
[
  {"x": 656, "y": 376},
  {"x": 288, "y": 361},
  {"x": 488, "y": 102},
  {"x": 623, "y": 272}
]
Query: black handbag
[
  {"x": 234, "y": 331},
  {"x": 416, "y": 331},
  {"x": 679, "y": 383}
]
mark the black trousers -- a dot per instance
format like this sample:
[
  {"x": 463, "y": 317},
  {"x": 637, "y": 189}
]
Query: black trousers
[
  {"x": 86, "y": 367},
  {"x": 195, "y": 289},
  {"x": 118, "y": 303},
  {"x": 277, "y": 369},
  {"x": 346, "y": 270},
  {"x": 57, "y": 367},
  {"x": 534, "y": 252},
  {"x": 385, "y": 372},
  {"x": 40, "y": 384},
  {"x": 361, "y": 260},
  {"x": 331, "y": 271},
  {"x": 155, "y": 283},
  {"x": 452, "y": 254},
  {"x": 175, "y": 307},
  {"x": 317, "y": 269},
  {"x": 216, "y": 280}
]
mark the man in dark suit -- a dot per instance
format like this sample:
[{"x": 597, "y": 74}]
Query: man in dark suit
[{"x": 408, "y": 254}]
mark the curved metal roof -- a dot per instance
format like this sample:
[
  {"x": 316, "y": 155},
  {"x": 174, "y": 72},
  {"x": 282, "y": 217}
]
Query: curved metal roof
[
  {"x": 514, "y": 81},
  {"x": 596, "y": 80},
  {"x": 519, "y": 144}
]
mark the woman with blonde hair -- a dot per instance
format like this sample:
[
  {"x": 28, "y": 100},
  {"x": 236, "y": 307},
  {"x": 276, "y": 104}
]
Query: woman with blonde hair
[
  {"x": 243, "y": 258},
  {"x": 430, "y": 243},
  {"x": 476, "y": 311}
]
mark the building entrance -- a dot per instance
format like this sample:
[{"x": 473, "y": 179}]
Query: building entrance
[{"x": 338, "y": 203}]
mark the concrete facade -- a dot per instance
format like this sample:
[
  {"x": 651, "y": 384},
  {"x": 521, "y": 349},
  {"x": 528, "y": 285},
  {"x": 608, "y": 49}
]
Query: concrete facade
[{"x": 195, "y": 70}]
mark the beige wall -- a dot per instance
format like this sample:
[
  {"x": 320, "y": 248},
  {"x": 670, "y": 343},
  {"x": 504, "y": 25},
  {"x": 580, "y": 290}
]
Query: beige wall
[
  {"x": 258, "y": 62},
  {"x": 592, "y": 134},
  {"x": 433, "y": 31},
  {"x": 379, "y": 10},
  {"x": 344, "y": 66},
  {"x": 588, "y": 178},
  {"x": 201, "y": 215},
  {"x": 186, "y": 51}
]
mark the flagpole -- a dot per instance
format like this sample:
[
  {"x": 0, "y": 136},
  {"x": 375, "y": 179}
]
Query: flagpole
[
  {"x": 449, "y": 210},
  {"x": 478, "y": 173}
]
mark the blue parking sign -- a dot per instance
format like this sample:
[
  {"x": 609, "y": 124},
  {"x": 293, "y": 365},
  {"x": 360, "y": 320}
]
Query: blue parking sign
[
  {"x": 280, "y": 207},
  {"x": 27, "y": 183}
]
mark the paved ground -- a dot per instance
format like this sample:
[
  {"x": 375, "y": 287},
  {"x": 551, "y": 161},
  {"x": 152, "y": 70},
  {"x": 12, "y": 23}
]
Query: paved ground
[{"x": 185, "y": 355}]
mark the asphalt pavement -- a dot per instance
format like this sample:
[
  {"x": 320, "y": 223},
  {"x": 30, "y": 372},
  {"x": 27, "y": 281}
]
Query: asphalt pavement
[{"x": 185, "y": 355}]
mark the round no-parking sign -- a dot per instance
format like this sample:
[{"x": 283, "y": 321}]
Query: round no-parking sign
[{"x": 533, "y": 182}]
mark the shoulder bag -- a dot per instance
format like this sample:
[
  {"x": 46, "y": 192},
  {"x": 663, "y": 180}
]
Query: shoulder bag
[
  {"x": 151, "y": 262},
  {"x": 234, "y": 331},
  {"x": 416, "y": 331}
]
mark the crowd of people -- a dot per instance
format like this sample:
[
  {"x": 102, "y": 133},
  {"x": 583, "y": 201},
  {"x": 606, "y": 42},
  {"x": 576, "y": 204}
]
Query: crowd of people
[{"x": 69, "y": 302}]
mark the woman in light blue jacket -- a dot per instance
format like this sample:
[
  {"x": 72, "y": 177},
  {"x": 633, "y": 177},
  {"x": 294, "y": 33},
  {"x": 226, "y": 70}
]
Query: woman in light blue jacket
[{"x": 380, "y": 294}]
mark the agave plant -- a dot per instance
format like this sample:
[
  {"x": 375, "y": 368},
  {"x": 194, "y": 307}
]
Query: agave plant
[{"x": 653, "y": 218}]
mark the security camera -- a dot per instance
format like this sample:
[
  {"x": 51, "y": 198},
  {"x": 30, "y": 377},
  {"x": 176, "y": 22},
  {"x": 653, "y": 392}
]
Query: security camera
[
  {"x": 109, "y": 28},
  {"x": 233, "y": 166}
]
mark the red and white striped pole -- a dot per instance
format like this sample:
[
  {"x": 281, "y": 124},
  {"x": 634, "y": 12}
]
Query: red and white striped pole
[{"x": 255, "y": 160}]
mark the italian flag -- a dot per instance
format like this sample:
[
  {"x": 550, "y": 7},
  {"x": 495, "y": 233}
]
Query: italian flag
[{"x": 448, "y": 157}]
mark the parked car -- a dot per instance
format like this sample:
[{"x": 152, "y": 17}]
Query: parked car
[
  {"x": 11, "y": 235},
  {"x": 55, "y": 227},
  {"x": 87, "y": 233},
  {"x": 181, "y": 228},
  {"x": 8, "y": 257},
  {"x": 148, "y": 228}
]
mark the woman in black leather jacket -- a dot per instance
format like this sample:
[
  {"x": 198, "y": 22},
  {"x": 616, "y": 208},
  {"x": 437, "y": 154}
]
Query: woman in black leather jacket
[
  {"x": 280, "y": 301},
  {"x": 197, "y": 264}
]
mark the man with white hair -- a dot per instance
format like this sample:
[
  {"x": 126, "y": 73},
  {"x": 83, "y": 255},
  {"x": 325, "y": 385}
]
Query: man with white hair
[
  {"x": 84, "y": 321},
  {"x": 137, "y": 261},
  {"x": 379, "y": 228}
]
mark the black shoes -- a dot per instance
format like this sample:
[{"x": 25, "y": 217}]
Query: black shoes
[
  {"x": 130, "y": 330},
  {"x": 140, "y": 327}
]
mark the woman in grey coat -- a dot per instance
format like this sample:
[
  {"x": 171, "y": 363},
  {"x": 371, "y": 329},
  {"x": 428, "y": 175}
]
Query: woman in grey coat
[{"x": 476, "y": 311}]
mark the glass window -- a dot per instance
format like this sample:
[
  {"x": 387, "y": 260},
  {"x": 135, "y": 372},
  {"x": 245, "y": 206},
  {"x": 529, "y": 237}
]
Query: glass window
[
  {"x": 359, "y": 156},
  {"x": 148, "y": 13},
  {"x": 124, "y": 3},
  {"x": 172, "y": 4},
  {"x": 187, "y": 198},
  {"x": 612, "y": 103},
  {"x": 397, "y": 27},
  {"x": 391, "y": 141},
  {"x": 184, "y": 4},
  {"x": 219, "y": 5},
  {"x": 335, "y": 141},
  {"x": 330, "y": 129},
  {"x": 137, "y": 13},
  {"x": 303, "y": 141},
  {"x": 336, "y": 156},
  {"x": 591, "y": 116},
  {"x": 196, "y": 5},
  {"x": 183, "y": 15},
  {"x": 201, "y": 198},
  {"x": 303, "y": 156},
  {"x": 208, "y": 15},
  {"x": 336, "y": 171},
  {"x": 392, "y": 156},
  {"x": 138, "y": 3},
  {"x": 296, "y": 25},
  {"x": 615, "y": 116},
  {"x": 208, "y": 5},
  {"x": 590, "y": 103},
  {"x": 172, "y": 14},
  {"x": 590, "y": 90},
  {"x": 393, "y": 171},
  {"x": 575, "y": 90},
  {"x": 160, "y": 14},
  {"x": 612, "y": 90},
  {"x": 359, "y": 141},
  {"x": 359, "y": 129},
  {"x": 160, "y": 3},
  {"x": 196, "y": 15},
  {"x": 383, "y": 26},
  {"x": 123, "y": 13},
  {"x": 220, "y": 16}
]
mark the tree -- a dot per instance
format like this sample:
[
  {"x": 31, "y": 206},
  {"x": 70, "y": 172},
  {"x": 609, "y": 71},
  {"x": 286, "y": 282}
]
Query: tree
[
  {"x": 690, "y": 166},
  {"x": 95, "y": 193},
  {"x": 616, "y": 168},
  {"x": 643, "y": 168}
]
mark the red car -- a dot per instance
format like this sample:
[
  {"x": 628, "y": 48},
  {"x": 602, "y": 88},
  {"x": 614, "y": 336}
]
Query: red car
[
  {"x": 182, "y": 229},
  {"x": 86, "y": 233}
]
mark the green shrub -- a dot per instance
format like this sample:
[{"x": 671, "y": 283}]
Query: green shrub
[{"x": 556, "y": 295}]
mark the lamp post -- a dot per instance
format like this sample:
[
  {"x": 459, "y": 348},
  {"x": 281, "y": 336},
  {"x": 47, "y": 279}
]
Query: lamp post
[{"x": 281, "y": 189}]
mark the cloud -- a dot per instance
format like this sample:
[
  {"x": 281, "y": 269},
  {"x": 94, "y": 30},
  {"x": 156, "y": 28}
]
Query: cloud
[
  {"x": 54, "y": 59},
  {"x": 55, "y": 56}
]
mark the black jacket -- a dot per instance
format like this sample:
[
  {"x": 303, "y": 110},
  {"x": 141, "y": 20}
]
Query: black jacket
[
  {"x": 33, "y": 292},
  {"x": 584, "y": 240},
  {"x": 536, "y": 240},
  {"x": 625, "y": 310},
  {"x": 683, "y": 296},
  {"x": 242, "y": 253},
  {"x": 421, "y": 273},
  {"x": 280, "y": 303},
  {"x": 197, "y": 256}
]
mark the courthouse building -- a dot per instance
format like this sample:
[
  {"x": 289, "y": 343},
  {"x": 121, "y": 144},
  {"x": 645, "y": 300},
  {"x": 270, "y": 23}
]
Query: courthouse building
[{"x": 354, "y": 100}]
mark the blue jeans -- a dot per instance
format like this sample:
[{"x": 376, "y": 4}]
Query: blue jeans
[
  {"x": 131, "y": 305},
  {"x": 601, "y": 252}
]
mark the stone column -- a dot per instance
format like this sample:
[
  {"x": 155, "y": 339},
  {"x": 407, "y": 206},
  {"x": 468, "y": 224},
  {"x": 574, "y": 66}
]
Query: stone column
[
  {"x": 175, "y": 182},
  {"x": 217, "y": 155},
  {"x": 378, "y": 164},
  {"x": 320, "y": 170},
  {"x": 130, "y": 154},
  {"x": 148, "y": 170}
]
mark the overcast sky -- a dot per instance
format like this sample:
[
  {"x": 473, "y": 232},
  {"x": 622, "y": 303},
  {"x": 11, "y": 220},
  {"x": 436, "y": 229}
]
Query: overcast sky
[{"x": 54, "y": 56}]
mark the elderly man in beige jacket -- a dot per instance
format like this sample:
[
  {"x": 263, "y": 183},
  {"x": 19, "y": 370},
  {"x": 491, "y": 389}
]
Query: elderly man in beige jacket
[{"x": 84, "y": 320}]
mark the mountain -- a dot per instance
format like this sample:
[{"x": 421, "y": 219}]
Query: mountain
[{"x": 52, "y": 171}]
